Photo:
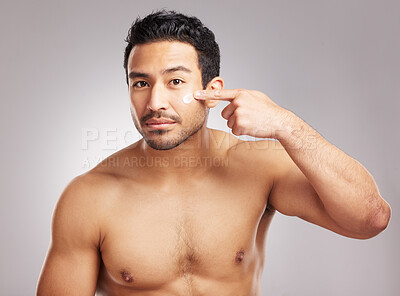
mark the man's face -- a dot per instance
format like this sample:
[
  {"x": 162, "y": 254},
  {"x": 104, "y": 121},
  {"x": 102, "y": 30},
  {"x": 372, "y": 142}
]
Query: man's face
[{"x": 160, "y": 75}]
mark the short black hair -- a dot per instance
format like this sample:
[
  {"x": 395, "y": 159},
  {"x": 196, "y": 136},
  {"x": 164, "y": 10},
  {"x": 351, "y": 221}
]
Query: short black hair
[{"x": 170, "y": 25}]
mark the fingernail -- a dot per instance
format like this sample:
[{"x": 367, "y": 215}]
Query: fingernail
[{"x": 198, "y": 94}]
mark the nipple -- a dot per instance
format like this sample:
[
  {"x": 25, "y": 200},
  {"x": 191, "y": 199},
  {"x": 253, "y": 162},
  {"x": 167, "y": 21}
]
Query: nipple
[
  {"x": 188, "y": 98},
  {"x": 239, "y": 256},
  {"x": 127, "y": 276}
]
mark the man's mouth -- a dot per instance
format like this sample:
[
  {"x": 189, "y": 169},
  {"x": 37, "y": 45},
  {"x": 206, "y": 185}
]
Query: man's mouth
[{"x": 159, "y": 123}]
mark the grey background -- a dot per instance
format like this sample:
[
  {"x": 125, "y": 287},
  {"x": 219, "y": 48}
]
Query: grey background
[{"x": 334, "y": 63}]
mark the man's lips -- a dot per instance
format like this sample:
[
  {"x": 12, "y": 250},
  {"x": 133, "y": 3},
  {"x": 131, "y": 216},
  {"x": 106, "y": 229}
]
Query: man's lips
[{"x": 159, "y": 123}]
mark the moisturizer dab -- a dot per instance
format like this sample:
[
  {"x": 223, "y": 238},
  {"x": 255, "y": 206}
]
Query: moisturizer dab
[{"x": 188, "y": 98}]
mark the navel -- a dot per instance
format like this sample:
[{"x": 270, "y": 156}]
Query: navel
[
  {"x": 127, "y": 276},
  {"x": 239, "y": 256}
]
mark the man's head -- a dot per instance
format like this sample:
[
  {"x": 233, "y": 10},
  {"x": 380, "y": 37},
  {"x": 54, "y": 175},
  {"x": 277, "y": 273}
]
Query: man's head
[
  {"x": 168, "y": 56},
  {"x": 172, "y": 26}
]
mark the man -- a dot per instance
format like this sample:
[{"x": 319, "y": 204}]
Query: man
[{"x": 186, "y": 209}]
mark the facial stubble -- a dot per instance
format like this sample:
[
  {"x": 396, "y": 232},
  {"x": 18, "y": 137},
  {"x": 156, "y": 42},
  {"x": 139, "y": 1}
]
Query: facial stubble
[{"x": 165, "y": 139}]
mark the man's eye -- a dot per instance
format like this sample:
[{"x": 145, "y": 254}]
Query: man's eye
[
  {"x": 139, "y": 84},
  {"x": 176, "y": 81}
]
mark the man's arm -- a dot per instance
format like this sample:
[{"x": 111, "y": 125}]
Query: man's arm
[
  {"x": 72, "y": 263},
  {"x": 321, "y": 184},
  {"x": 314, "y": 179}
]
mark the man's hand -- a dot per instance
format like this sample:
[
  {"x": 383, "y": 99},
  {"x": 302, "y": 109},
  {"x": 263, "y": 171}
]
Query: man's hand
[{"x": 249, "y": 112}]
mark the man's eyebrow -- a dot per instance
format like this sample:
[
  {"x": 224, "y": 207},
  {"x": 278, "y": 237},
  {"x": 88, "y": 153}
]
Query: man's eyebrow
[
  {"x": 177, "y": 68},
  {"x": 134, "y": 74}
]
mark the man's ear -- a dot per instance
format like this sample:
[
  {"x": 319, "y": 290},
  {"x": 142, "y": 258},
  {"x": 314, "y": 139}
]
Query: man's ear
[{"x": 216, "y": 83}]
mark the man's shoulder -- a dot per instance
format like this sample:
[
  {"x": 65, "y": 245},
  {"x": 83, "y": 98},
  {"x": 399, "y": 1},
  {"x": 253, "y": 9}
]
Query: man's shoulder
[
  {"x": 233, "y": 143},
  {"x": 94, "y": 181},
  {"x": 262, "y": 157},
  {"x": 255, "y": 149},
  {"x": 89, "y": 191},
  {"x": 76, "y": 214}
]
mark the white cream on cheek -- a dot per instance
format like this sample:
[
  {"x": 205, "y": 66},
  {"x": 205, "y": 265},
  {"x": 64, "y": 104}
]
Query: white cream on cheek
[{"x": 188, "y": 98}]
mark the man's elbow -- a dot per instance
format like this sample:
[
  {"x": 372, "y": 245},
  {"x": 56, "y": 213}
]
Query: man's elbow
[{"x": 379, "y": 219}]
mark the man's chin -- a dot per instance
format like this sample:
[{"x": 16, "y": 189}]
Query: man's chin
[
  {"x": 161, "y": 139},
  {"x": 162, "y": 145}
]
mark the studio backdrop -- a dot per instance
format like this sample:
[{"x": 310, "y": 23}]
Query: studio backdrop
[{"x": 65, "y": 107}]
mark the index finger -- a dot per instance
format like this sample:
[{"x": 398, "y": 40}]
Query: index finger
[{"x": 219, "y": 94}]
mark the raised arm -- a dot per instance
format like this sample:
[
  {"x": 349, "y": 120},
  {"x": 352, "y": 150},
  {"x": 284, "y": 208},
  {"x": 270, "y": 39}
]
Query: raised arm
[
  {"x": 72, "y": 263},
  {"x": 314, "y": 180}
]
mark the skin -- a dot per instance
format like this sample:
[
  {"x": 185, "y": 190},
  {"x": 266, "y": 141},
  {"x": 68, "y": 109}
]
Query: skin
[{"x": 186, "y": 211}]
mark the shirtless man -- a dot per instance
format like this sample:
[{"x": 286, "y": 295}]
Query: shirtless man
[{"x": 186, "y": 209}]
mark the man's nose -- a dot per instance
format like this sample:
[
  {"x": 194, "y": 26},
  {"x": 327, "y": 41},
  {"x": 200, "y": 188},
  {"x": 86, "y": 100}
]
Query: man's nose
[{"x": 158, "y": 98}]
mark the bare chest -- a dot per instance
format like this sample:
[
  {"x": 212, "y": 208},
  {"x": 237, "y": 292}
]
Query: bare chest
[{"x": 153, "y": 236}]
